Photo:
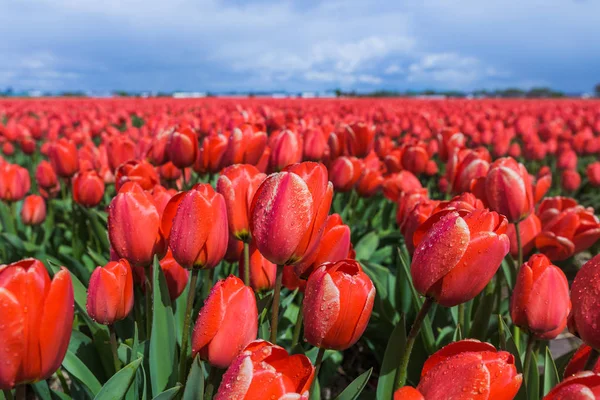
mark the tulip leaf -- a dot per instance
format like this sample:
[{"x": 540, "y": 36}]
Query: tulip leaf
[
  {"x": 315, "y": 392},
  {"x": 42, "y": 390},
  {"x": 481, "y": 321},
  {"x": 551, "y": 377},
  {"x": 458, "y": 335},
  {"x": 366, "y": 246},
  {"x": 507, "y": 343},
  {"x": 533, "y": 380},
  {"x": 163, "y": 342},
  {"x": 354, "y": 389},
  {"x": 168, "y": 394},
  {"x": 562, "y": 362},
  {"x": 389, "y": 366},
  {"x": 78, "y": 370},
  {"x": 403, "y": 291},
  {"x": 194, "y": 387},
  {"x": 117, "y": 386}
]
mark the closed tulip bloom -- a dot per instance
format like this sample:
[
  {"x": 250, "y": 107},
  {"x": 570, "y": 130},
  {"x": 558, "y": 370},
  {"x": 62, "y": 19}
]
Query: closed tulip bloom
[
  {"x": 182, "y": 147},
  {"x": 415, "y": 158},
  {"x": 157, "y": 153},
  {"x": 286, "y": 149},
  {"x": 408, "y": 393},
  {"x": 528, "y": 230},
  {"x": 459, "y": 255},
  {"x": 469, "y": 370},
  {"x": 245, "y": 146},
  {"x": 291, "y": 281},
  {"x": 408, "y": 201},
  {"x": 45, "y": 176},
  {"x": 593, "y": 173},
  {"x": 227, "y": 322},
  {"x": 395, "y": 184},
  {"x": 288, "y": 212},
  {"x": 369, "y": 184},
  {"x": 237, "y": 184},
  {"x": 37, "y": 319},
  {"x": 161, "y": 197},
  {"x": 119, "y": 150},
  {"x": 63, "y": 157},
  {"x": 234, "y": 250},
  {"x": 345, "y": 172},
  {"x": 334, "y": 246},
  {"x": 14, "y": 182},
  {"x": 579, "y": 360},
  {"x": 266, "y": 371},
  {"x": 337, "y": 305},
  {"x": 315, "y": 145},
  {"x": 134, "y": 226},
  {"x": 199, "y": 234},
  {"x": 8, "y": 148},
  {"x": 581, "y": 386},
  {"x": 211, "y": 154},
  {"x": 567, "y": 160},
  {"x": 414, "y": 219},
  {"x": 508, "y": 189},
  {"x": 570, "y": 180},
  {"x": 262, "y": 271},
  {"x": 360, "y": 138},
  {"x": 584, "y": 317},
  {"x": 169, "y": 172},
  {"x": 465, "y": 167},
  {"x": 33, "y": 211},
  {"x": 175, "y": 275},
  {"x": 542, "y": 184},
  {"x": 88, "y": 188},
  {"x": 540, "y": 301},
  {"x": 141, "y": 172},
  {"x": 110, "y": 293}
]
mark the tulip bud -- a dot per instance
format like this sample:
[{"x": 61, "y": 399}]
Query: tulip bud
[
  {"x": 227, "y": 322},
  {"x": 37, "y": 318},
  {"x": 63, "y": 156},
  {"x": 264, "y": 371},
  {"x": 33, "y": 211},
  {"x": 291, "y": 281},
  {"x": 45, "y": 175},
  {"x": 211, "y": 154},
  {"x": 508, "y": 189},
  {"x": 345, "y": 172},
  {"x": 88, "y": 188},
  {"x": 110, "y": 293},
  {"x": 584, "y": 317},
  {"x": 182, "y": 147},
  {"x": 288, "y": 212},
  {"x": 529, "y": 228},
  {"x": 141, "y": 172},
  {"x": 245, "y": 146},
  {"x": 415, "y": 159},
  {"x": 459, "y": 255},
  {"x": 119, "y": 150},
  {"x": 540, "y": 301},
  {"x": 570, "y": 180},
  {"x": 369, "y": 184},
  {"x": 315, "y": 145},
  {"x": 14, "y": 182},
  {"x": 337, "y": 305},
  {"x": 237, "y": 184},
  {"x": 134, "y": 226},
  {"x": 408, "y": 393},
  {"x": 581, "y": 386},
  {"x": 198, "y": 233},
  {"x": 360, "y": 138},
  {"x": 286, "y": 149},
  {"x": 262, "y": 271},
  {"x": 395, "y": 184},
  {"x": 593, "y": 173}
]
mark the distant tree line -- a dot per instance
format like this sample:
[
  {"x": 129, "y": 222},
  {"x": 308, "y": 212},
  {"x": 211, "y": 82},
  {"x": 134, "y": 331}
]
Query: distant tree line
[{"x": 538, "y": 92}]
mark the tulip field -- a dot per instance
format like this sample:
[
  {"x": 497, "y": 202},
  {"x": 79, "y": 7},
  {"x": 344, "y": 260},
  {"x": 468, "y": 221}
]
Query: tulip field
[{"x": 258, "y": 248}]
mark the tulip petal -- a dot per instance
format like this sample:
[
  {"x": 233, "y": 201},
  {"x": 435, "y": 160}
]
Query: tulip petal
[
  {"x": 12, "y": 321},
  {"x": 408, "y": 393},
  {"x": 321, "y": 306},
  {"x": 549, "y": 304},
  {"x": 462, "y": 346},
  {"x": 237, "y": 379}
]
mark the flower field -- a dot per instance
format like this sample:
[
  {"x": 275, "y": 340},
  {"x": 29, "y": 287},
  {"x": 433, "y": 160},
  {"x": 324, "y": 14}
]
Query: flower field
[{"x": 258, "y": 248}]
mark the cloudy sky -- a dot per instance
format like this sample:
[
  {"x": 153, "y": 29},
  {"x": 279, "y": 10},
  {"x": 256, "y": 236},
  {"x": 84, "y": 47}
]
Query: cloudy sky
[{"x": 241, "y": 45}]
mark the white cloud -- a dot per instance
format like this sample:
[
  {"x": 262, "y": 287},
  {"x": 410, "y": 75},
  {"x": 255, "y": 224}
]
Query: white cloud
[{"x": 393, "y": 70}]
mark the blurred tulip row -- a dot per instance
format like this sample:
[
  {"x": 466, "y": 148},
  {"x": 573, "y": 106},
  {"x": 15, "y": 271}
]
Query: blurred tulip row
[{"x": 299, "y": 249}]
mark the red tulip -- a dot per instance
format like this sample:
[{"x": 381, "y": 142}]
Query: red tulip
[
  {"x": 414, "y": 219},
  {"x": 245, "y": 146},
  {"x": 315, "y": 145},
  {"x": 161, "y": 197},
  {"x": 286, "y": 149},
  {"x": 169, "y": 172},
  {"x": 408, "y": 393},
  {"x": 110, "y": 293},
  {"x": 266, "y": 371},
  {"x": 37, "y": 318},
  {"x": 141, "y": 172},
  {"x": 567, "y": 160},
  {"x": 175, "y": 275},
  {"x": 543, "y": 183},
  {"x": 291, "y": 281},
  {"x": 465, "y": 167},
  {"x": 134, "y": 226},
  {"x": 262, "y": 271},
  {"x": 88, "y": 188},
  {"x": 585, "y": 314},
  {"x": 593, "y": 173},
  {"x": 33, "y": 211},
  {"x": 45, "y": 175},
  {"x": 582, "y": 386},
  {"x": 345, "y": 172},
  {"x": 369, "y": 184},
  {"x": 459, "y": 255},
  {"x": 199, "y": 235},
  {"x": 8, "y": 148},
  {"x": 63, "y": 156},
  {"x": 360, "y": 138},
  {"x": 119, "y": 150},
  {"x": 469, "y": 370},
  {"x": 540, "y": 301},
  {"x": 234, "y": 250},
  {"x": 288, "y": 212},
  {"x": 182, "y": 147},
  {"x": 397, "y": 183},
  {"x": 337, "y": 305},
  {"x": 237, "y": 184},
  {"x": 528, "y": 230},
  {"x": 407, "y": 202},
  {"x": 508, "y": 189},
  {"x": 579, "y": 360},
  {"x": 14, "y": 182},
  {"x": 570, "y": 180},
  {"x": 333, "y": 246},
  {"x": 415, "y": 158},
  {"x": 227, "y": 322},
  {"x": 210, "y": 155}
]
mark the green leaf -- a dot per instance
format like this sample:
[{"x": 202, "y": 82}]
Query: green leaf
[
  {"x": 169, "y": 394},
  {"x": 354, "y": 389},
  {"x": 42, "y": 390},
  {"x": 116, "y": 388},
  {"x": 507, "y": 343},
  {"x": 533, "y": 380},
  {"x": 481, "y": 321},
  {"x": 562, "y": 362},
  {"x": 393, "y": 352},
  {"x": 315, "y": 393},
  {"x": 194, "y": 387},
  {"x": 163, "y": 342},
  {"x": 457, "y": 334},
  {"x": 551, "y": 377},
  {"x": 366, "y": 246},
  {"x": 78, "y": 370}
]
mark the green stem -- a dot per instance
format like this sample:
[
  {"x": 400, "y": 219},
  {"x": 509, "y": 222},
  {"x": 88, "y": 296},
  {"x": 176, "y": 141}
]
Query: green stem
[
  {"x": 211, "y": 383},
  {"x": 318, "y": 363},
  {"x": 114, "y": 346},
  {"x": 7, "y": 394},
  {"x": 210, "y": 276},
  {"x": 501, "y": 335},
  {"x": 528, "y": 354},
  {"x": 461, "y": 316},
  {"x": 246, "y": 263},
  {"x": 410, "y": 342},
  {"x": 148, "y": 303},
  {"x": 63, "y": 382},
  {"x": 520, "y": 247},
  {"x": 186, "y": 326},
  {"x": 592, "y": 360},
  {"x": 275, "y": 305},
  {"x": 298, "y": 326}
]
